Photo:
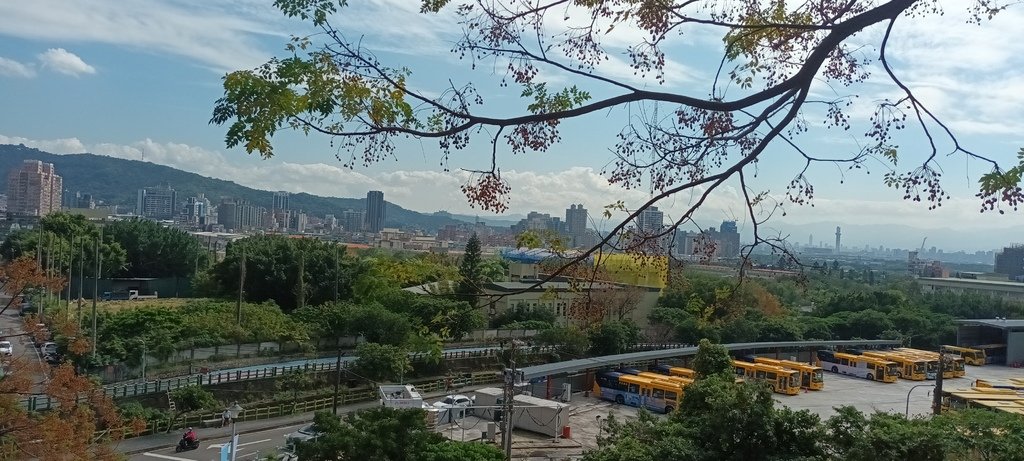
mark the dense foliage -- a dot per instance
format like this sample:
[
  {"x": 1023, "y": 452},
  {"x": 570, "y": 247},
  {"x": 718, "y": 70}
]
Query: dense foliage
[
  {"x": 386, "y": 434},
  {"x": 820, "y": 306},
  {"x": 152, "y": 250},
  {"x": 63, "y": 237}
]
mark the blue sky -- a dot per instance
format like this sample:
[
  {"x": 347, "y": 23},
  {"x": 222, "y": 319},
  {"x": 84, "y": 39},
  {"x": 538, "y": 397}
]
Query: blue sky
[{"x": 120, "y": 78}]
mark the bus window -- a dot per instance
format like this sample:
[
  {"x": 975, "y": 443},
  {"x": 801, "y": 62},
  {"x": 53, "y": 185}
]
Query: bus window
[
  {"x": 634, "y": 388},
  {"x": 669, "y": 395},
  {"x": 772, "y": 376},
  {"x": 740, "y": 371},
  {"x": 759, "y": 374},
  {"x": 659, "y": 394}
]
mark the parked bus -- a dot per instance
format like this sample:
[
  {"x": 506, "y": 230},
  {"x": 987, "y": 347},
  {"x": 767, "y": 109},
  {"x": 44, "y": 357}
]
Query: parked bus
[
  {"x": 675, "y": 371},
  {"x": 953, "y": 367},
  {"x": 971, "y": 356},
  {"x": 993, "y": 353},
  {"x": 909, "y": 367},
  {"x": 861, "y": 366},
  {"x": 811, "y": 376},
  {"x": 958, "y": 399},
  {"x": 636, "y": 391},
  {"x": 1016, "y": 384},
  {"x": 780, "y": 380}
]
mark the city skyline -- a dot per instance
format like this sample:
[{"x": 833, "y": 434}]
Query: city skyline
[{"x": 52, "y": 71}]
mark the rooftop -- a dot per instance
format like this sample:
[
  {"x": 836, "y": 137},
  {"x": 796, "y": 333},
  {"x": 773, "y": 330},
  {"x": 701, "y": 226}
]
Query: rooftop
[
  {"x": 548, "y": 369},
  {"x": 1005, "y": 324},
  {"x": 991, "y": 283}
]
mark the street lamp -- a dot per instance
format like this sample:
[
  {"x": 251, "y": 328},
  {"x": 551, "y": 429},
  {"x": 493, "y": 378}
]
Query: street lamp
[
  {"x": 233, "y": 412},
  {"x": 907, "y": 412}
]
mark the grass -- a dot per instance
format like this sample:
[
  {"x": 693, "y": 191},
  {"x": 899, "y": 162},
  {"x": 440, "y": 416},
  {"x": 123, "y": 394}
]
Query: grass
[{"x": 116, "y": 306}]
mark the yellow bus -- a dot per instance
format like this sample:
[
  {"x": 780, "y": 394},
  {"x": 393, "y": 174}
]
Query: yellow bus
[
  {"x": 953, "y": 368},
  {"x": 958, "y": 399},
  {"x": 1016, "y": 384},
  {"x": 912, "y": 368},
  {"x": 811, "y": 376},
  {"x": 780, "y": 380},
  {"x": 993, "y": 353},
  {"x": 971, "y": 356},
  {"x": 861, "y": 366},
  {"x": 675, "y": 371},
  {"x": 637, "y": 391}
]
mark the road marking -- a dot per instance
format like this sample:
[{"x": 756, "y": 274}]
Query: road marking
[
  {"x": 173, "y": 458},
  {"x": 219, "y": 445}
]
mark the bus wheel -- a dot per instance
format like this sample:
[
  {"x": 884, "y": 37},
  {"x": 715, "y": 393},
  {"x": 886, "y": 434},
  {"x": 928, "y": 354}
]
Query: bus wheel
[
  {"x": 871, "y": 377},
  {"x": 835, "y": 369},
  {"x": 668, "y": 409},
  {"x": 619, "y": 400}
]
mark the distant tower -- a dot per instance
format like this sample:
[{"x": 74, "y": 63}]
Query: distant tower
[
  {"x": 839, "y": 234},
  {"x": 810, "y": 240},
  {"x": 374, "y": 211}
]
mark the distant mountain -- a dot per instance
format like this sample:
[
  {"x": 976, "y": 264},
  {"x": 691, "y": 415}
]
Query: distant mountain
[{"x": 117, "y": 181}]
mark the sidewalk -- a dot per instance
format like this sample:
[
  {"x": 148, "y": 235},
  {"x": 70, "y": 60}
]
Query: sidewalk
[{"x": 136, "y": 445}]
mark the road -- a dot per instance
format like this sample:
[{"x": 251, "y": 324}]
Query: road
[
  {"x": 254, "y": 445},
  {"x": 11, "y": 330}
]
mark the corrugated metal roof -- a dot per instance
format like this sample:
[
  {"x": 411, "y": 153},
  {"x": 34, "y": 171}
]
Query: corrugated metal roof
[
  {"x": 994, "y": 323},
  {"x": 548, "y": 369}
]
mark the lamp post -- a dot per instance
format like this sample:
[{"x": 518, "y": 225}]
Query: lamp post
[
  {"x": 907, "y": 412},
  {"x": 233, "y": 411}
]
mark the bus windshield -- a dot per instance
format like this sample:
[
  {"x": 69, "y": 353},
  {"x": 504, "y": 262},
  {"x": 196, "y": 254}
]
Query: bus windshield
[
  {"x": 918, "y": 367},
  {"x": 892, "y": 369},
  {"x": 817, "y": 377},
  {"x": 933, "y": 366}
]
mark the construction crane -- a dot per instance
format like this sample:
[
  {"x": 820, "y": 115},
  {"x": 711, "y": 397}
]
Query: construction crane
[{"x": 925, "y": 239}]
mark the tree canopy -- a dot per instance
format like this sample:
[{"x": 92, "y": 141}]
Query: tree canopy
[{"x": 762, "y": 93}]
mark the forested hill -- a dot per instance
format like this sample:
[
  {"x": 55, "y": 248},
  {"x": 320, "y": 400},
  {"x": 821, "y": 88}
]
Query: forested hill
[{"x": 117, "y": 181}]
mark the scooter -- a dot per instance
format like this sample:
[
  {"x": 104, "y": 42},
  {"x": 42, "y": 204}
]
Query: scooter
[{"x": 185, "y": 445}]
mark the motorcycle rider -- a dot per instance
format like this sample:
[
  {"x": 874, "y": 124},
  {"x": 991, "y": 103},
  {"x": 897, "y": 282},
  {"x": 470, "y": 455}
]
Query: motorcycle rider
[{"x": 190, "y": 437}]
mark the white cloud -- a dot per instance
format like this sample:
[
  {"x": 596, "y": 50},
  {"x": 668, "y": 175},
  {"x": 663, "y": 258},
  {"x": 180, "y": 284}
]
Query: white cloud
[
  {"x": 12, "y": 68},
  {"x": 219, "y": 34},
  {"x": 65, "y": 62}
]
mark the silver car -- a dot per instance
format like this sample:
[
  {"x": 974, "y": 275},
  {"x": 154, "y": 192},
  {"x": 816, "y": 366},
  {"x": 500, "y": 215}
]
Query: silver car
[
  {"x": 6, "y": 348},
  {"x": 304, "y": 434}
]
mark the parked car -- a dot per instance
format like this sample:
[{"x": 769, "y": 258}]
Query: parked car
[
  {"x": 54, "y": 358},
  {"x": 304, "y": 434},
  {"x": 49, "y": 348},
  {"x": 6, "y": 348}
]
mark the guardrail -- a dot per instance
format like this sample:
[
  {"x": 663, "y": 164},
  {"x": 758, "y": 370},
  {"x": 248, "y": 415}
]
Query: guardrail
[
  {"x": 39, "y": 402},
  {"x": 276, "y": 410}
]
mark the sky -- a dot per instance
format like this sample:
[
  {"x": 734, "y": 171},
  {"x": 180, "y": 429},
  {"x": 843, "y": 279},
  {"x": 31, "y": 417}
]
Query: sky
[{"x": 138, "y": 79}]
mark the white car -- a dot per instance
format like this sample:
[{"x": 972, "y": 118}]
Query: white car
[
  {"x": 6, "y": 348},
  {"x": 457, "y": 401}
]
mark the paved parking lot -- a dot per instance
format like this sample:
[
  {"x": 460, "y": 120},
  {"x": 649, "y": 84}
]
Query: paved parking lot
[{"x": 870, "y": 396}]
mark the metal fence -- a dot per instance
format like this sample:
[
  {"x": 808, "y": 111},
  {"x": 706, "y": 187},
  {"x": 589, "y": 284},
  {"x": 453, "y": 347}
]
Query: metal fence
[
  {"x": 40, "y": 402},
  {"x": 269, "y": 410}
]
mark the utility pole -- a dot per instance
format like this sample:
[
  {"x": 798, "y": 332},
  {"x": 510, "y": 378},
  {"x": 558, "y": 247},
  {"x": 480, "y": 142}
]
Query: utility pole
[
  {"x": 81, "y": 279},
  {"x": 71, "y": 264},
  {"x": 937, "y": 398},
  {"x": 337, "y": 272},
  {"x": 509, "y": 395},
  {"x": 241, "y": 289},
  {"x": 301, "y": 301},
  {"x": 337, "y": 381},
  {"x": 96, "y": 290}
]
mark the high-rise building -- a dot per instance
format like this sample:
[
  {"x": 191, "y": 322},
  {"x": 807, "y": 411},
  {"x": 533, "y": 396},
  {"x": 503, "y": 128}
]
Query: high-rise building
[
  {"x": 536, "y": 221},
  {"x": 156, "y": 203},
  {"x": 375, "y": 211},
  {"x": 651, "y": 220},
  {"x": 839, "y": 234},
  {"x": 281, "y": 200},
  {"x": 353, "y": 221},
  {"x": 3, "y": 203},
  {"x": 239, "y": 215},
  {"x": 576, "y": 224},
  {"x": 197, "y": 209},
  {"x": 297, "y": 222},
  {"x": 1010, "y": 261},
  {"x": 34, "y": 189}
]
